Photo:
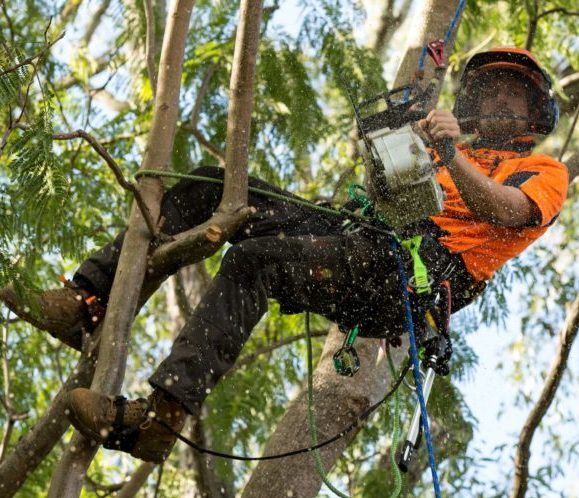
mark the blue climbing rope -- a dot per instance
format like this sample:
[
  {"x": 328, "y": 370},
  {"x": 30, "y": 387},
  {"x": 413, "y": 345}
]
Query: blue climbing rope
[
  {"x": 415, "y": 366},
  {"x": 459, "y": 9},
  {"x": 449, "y": 31}
]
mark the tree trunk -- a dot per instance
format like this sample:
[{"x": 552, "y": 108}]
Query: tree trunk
[
  {"x": 126, "y": 289},
  {"x": 338, "y": 402}
]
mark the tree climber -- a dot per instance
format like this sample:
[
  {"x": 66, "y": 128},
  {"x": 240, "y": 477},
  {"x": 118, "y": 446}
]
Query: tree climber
[{"x": 499, "y": 199}]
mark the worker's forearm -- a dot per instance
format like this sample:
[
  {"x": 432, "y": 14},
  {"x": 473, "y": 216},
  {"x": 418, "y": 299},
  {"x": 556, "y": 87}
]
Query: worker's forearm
[{"x": 487, "y": 199}]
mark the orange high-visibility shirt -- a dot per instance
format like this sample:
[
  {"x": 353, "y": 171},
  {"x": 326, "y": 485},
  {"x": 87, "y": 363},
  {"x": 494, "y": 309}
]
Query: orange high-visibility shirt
[{"x": 485, "y": 247}]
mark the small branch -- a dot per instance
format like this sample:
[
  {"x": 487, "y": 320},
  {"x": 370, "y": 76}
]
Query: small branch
[
  {"x": 532, "y": 24},
  {"x": 206, "y": 144},
  {"x": 8, "y": 20},
  {"x": 250, "y": 358},
  {"x": 201, "y": 93},
  {"x": 159, "y": 480},
  {"x": 559, "y": 9},
  {"x": 552, "y": 381},
  {"x": 29, "y": 60},
  {"x": 137, "y": 480},
  {"x": 125, "y": 136},
  {"x": 95, "y": 21},
  {"x": 93, "y": 486},
  {"x": 183, "y": 303},
  {"x": 109, "y": 100},
  {"x": 129, "y": 186},
  {"x": 150, "y": 45},
  {"x": 569, "y": 134}
]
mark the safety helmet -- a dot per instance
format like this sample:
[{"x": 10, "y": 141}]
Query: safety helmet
[{"x": 544, "y": 110}]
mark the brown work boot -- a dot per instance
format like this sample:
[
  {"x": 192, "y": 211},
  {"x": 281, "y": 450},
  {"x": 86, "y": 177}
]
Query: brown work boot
[
  {"x": 65, "y": 313},
  {"x": 134, "y": 427}
]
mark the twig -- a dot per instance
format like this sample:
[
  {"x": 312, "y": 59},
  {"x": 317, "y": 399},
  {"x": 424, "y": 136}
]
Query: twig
[
  {"x": 552, "y": 381},
  {"x": 569, "y": 134},
  {"x": 93, "y": 485},
  {"x": 29, "y": 60},
  {"x": 250, "y": 358},
  {"x": 123, "y": 182},
  {"x": 8, "y": 20},
  {"x": 159, "y": 479},
  {"x": 11, "y": 415},
  {"x": 559, "y": 9},
  {"x": 150, "y": 44}
]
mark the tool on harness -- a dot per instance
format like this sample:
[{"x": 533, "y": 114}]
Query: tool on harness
[
  {"x": 346, "y": 359},
  {"x": 435, "y": 342}
]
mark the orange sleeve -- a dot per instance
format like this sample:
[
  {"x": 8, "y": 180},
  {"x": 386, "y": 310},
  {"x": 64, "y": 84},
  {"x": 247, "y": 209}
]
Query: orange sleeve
[{"x": 544, "y": 181}]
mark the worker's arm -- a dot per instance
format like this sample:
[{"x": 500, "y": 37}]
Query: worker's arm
[{"x": 489, "y": 200}]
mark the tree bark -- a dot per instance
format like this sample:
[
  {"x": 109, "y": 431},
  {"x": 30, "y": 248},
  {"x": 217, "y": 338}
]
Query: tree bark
[
  {"x": 125, "y": 292},
  {"x": 523, "y": 455}
]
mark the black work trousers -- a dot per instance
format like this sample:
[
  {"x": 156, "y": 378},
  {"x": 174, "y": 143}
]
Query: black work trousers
[{"x": 296, "y": 255}]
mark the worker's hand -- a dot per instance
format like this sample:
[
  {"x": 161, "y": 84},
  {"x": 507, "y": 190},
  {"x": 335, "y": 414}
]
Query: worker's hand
[
  {"x": 441, "y": 128},
  {"x": 439, "y": 125}
]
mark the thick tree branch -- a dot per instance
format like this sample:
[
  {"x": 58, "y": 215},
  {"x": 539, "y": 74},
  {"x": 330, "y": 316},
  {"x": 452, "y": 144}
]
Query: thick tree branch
[
  {"x": 566, "y": 338},
  {"x": 34, "y": 446},
  {"x": 240, "y": 106},
  {"x": 198, "y": 243},
  {"x": 388, "y": 24},
  {"x": 573, "y": 166},
  {"x": 150, "y": 45}
]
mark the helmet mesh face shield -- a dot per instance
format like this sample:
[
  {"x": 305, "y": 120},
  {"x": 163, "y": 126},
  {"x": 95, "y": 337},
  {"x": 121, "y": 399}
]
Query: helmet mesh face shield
[{"x": 484, "y": 69}]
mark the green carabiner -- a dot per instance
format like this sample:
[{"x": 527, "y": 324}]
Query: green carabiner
[{"x": 420, "y": 280}]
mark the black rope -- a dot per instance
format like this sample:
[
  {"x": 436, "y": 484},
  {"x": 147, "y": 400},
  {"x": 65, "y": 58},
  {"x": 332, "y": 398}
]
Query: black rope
[{"x": 341, "y": 434}]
